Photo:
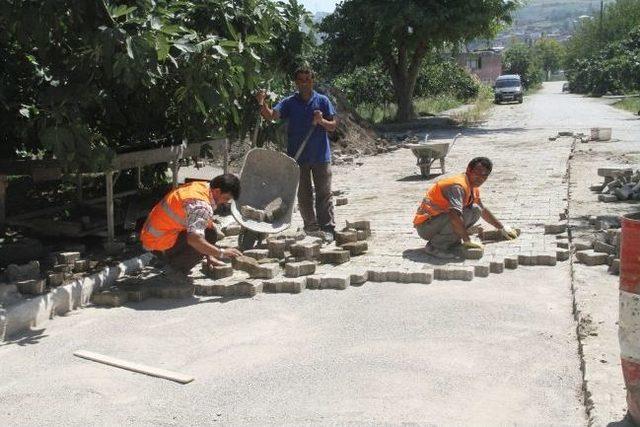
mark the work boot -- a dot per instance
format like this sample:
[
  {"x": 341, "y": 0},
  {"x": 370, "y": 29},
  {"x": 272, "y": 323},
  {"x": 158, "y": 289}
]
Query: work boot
[{"x": 438, "y": 252}]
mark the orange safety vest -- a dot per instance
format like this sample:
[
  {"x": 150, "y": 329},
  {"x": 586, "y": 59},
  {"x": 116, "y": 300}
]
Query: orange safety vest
[
  {"x": 168, "y": 218},
  {"x": 435, "y": 203}
]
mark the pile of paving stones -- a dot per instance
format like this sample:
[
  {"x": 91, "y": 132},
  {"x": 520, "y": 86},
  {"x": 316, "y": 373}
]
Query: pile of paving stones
[
  {"x": 619, "y": 184},
  {"x": 31, "y": 279},
  {"x": 603, "y": 249}
]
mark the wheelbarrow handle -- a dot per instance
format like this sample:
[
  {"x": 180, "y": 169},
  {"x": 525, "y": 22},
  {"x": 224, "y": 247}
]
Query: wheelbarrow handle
[{"x": 304, "y": 142}]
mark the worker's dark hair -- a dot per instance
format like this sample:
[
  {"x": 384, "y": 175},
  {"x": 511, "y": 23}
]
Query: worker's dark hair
[
  {"x": 484, "y": 161},
  {"x": 304, "y": 69},
  {"x": 227, "y": 183}
]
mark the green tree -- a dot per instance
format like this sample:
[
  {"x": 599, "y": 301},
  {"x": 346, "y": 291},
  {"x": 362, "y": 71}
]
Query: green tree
[
  {"x": 549, "y": 54},
  {"x": 519, "y": 59},
  {"x": 402, "y": 33},
  {"x": 83, "y": 79}
]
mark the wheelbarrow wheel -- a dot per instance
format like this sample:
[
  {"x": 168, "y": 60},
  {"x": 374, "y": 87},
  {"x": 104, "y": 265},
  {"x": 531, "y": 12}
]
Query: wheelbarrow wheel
[
  {"x": 248, "y": 239},
  {"x": 425, "y": 169}
]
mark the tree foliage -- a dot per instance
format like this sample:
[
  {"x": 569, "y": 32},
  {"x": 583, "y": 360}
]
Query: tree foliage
[
  {"x": 401, "y": 33},
  {"x": 82, "y": 79},
  {"x": 520, "y": 59},
  {"x": 549, "y": 54}
]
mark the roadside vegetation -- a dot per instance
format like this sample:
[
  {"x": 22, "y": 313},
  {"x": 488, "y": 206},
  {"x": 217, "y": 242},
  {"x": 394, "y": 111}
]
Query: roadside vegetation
[
  {"x": 481, "y": 105},
  {"x": 629, "y": 104},
  {"x": 535, "y": 63},
  {"x": 602, "y": 57}
]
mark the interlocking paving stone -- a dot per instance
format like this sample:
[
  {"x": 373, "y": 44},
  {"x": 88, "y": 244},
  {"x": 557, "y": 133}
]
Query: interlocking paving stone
[
  {"x": 591, "y": 257},
  {"x": 284, "y": 285},
  {"x": 334, "y": 256},
  {"x": 297, "y": 269},
  {"x": 355, "y": 248}
]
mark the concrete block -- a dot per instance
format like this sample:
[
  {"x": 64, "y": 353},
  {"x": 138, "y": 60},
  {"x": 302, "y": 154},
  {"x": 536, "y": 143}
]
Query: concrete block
[
  {"x": 275, "y": 210},
  {"x": 549, "y": 259},
  {"x": 363, "y": 234},
  {"x": 481, "y": 270},
  {"x": 80, "y": 266},
  {"x": 511, "y": 262},
  {"x": 614, "y": 172},
  {"x": 581, "y": 245},
  {"x": 68, "y": 257},
  {"x": 341, "y": 201},
  {"x": 453, "y": 273},
  {"x": 55, "y": 279},
  {"x": 256, "y": 254},
  {"x": 562, "y": 244},
  {"x": 614, "y": 268},
  {"x": 495, "y": 235},
  {"x": 276, "y": 248},
  {"x": 612, "y": 237},
  {"x": 166, "y": 290},
  {"x": 527, "y": 259},
  {"x": 269, "y": 261},
  {"x": 313, "y": 282},
  {"x": 229, "y": 288},
  {"x": 284, "y": 285},
  {"x": 422, "y": 277},
  {"x": 607, "y": 198},
  {"x": 333, "y": 256},
  {"x": 591, "y": 257},
  {"x": 597, "y": 188},
  {"x": 339, "y": 282},
  {"x": 563, "y": 254},
  {"x": 392, "y": 275},
  {"x": 472, "y": 253},
  {"x": 307, "y": 251},
  {"x": 357, "y": 279},
  {"x": 610, "y": 259},
  {"x": 604, "y": 247},
  {"x": 359, "y": 224},
  {"x": 16, "y": 273},
  {"x": 555, "y": 228},
  {"x": 251, "y": 213},
  {"x": 265, "y": 271},
  {"x": 244, "y": 263},
  {"x": 297, "y": 269},
  {"x": 109, "y": 298},
  {"x": 496, "y": 267},
  {"x": 355, "y": 248},
  {"x": 63, "y": 268},
  {"x": 31, "y": 287},
  {"x": 217, "y": 272},
  {"x": 343, "y": 237},
  {"x": 377, "y": 276},
  {"x": 232, "y": 229}
]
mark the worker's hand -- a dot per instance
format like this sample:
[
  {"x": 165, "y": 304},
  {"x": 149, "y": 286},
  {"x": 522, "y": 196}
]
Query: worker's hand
[
  {"x": 472, "y": 245},
  {"x": 509, "y": 233},
  {"x": 214, "y": 262},
  {"x": 261, "y": 95},
  {"x": 317, "y": 117},
  {"x": 230, "y": 253}
]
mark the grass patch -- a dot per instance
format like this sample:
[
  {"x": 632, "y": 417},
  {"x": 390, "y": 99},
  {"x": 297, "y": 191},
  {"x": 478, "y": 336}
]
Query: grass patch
[
  {"x": 423, "y": 107},
  {"x": 629, "y": 104},
  {"x": 481, "y": 105}
]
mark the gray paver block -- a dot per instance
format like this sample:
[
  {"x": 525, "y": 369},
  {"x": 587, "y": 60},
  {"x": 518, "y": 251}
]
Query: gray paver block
[
  {"x": 217, "y": 272},
  {"x": 55, "y": 279},
  {"x": 496, "y": 267},
  {"x": 495, "y": 235},
  {"x": 284, "y": 285},
  {"x": 363, "y": 234},
  {"x": 275, "y": 209},
  {"x": 313, "y": 282},
  {"x": 377, "y": 276},
  {"x": 614, "y": 172},
  {"x": 581, "y": 245},
  {"x": 613, "y": 237},
  {"x": 256, "y": 254},
  {"x": 549, "y": 259},
  {"x": 343, "y": 237},
  {"x": 555, "y": 228},
  {"x": 31, "y": 287},
  {"x": 63, "y": 268},
  {"x": 591, "y": 257},
  {"x": 614, "y": 268},
  {"x": 232, "y": 229},
  {"x": 511, "y": 262},
  {"x": 341, "y": 201},
  {"x": 453, "y": 273},
  {"x": 562, "y": 244},
  {"x": 563, "y": 254},
  {"x": 339, "y": 282},
  {"x": 357, "y": 279},
  {"x": 80, "y": 266},
  {"x": 171, "y": 291},
  {"x": 481, "y": 270},
  {"x": 68, "y": 257},
  {"x": 355, "y": 248},
  {"x": 297, "y": 269},
  {"x": 30, "y": 271},
  {"x": 607, "y": 198},
  {"x": 359, "y": 224},
  {"x": 136, "y": 293},
  {"x": 276, "y": 248},
  {"x": 604, "y": 247},
  {"x": 242, "y": 288},
  {"x": 250, "y": 212},
  {"x": 306, "y": 251},
  {"x": 475, "y": 253},
  {"x": 244, "y": 263},
  {"x": 527, "y": 259},
  {"x": 109, "y": 298},
  {"x": 265, "y": 271},
  {"x": 423, "y": 277},
  {"x": 333, "y": 256},
  {"x": 392, "y": 275}
]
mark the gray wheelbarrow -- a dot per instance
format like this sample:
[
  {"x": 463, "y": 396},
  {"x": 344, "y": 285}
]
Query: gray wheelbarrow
[
  {"x": 266, "y": 176},
  {"x": 428, "y": 152}
]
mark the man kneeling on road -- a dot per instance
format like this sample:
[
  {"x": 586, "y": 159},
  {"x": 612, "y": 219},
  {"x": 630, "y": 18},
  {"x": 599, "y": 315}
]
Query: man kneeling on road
[
  {"x": 180, "y": 230},
  {"x": 451, "y": 206}
]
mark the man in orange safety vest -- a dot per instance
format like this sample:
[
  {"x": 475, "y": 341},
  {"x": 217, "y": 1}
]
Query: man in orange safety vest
[
  {"x": 451, "y": 206},
  {"x": 180, "y": 229}
]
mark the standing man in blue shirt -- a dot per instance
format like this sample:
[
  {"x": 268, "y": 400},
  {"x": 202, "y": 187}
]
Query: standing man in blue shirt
[{"x": 306, "y": 109}]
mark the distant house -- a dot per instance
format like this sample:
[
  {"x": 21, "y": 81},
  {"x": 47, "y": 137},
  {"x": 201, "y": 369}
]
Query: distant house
[{"x": 484, "y": 64}]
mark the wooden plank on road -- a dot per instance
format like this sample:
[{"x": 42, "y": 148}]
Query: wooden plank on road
[{"x": 135, "y": 367}]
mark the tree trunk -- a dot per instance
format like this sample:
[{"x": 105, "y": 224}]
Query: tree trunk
[
  {"x": 404, "y": 99},
  {"x": 403, "y": 77}
]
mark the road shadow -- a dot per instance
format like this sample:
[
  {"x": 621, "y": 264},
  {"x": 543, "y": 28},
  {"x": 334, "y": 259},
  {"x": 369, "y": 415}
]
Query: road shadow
[
  {"x": 419, "y": 255},
  {"x": 418, "y": 177},
  {"x": 32, "y": 336},
  {"x": 625, "y": 422}
]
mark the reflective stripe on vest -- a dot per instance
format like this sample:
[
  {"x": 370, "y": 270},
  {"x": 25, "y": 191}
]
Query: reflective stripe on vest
[
  {"x": 435, "y": 203},
  {"x": 171, "y": 214}
]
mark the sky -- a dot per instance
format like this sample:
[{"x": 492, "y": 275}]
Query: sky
[{"x": 319, "y": 5}]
